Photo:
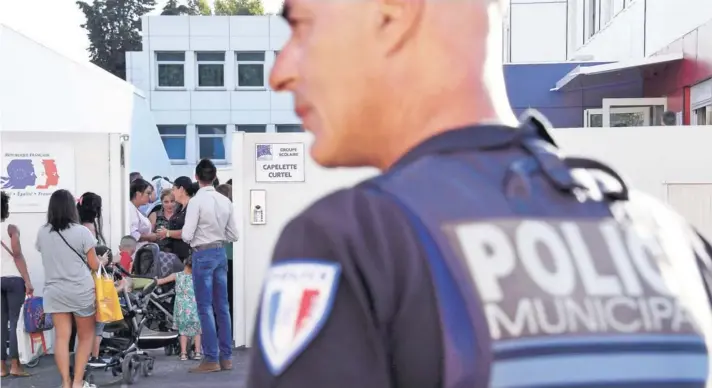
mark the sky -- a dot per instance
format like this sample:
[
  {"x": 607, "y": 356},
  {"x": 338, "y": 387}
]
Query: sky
[{"x": 57, "y": 26}]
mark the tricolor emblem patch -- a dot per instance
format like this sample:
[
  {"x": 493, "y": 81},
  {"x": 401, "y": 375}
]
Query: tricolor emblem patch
[{"x": 296, "y": 302}]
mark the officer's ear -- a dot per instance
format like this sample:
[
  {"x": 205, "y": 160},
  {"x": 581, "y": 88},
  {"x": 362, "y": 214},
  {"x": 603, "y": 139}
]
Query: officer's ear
[{"x": 398, "y": 21}]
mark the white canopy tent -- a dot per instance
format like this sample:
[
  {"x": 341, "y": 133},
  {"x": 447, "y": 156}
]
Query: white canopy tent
[{"x": 44, "y": 91}]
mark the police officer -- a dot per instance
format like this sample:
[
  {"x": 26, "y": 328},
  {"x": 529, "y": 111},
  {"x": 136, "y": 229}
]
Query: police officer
[{"x": 480, "y": 257}]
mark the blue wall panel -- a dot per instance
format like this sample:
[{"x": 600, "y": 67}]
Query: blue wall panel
[{"x": 529, "y": 86}]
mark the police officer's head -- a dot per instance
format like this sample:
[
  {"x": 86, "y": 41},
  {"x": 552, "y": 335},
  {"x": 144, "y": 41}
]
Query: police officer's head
[{"x": 364, "y": 73}]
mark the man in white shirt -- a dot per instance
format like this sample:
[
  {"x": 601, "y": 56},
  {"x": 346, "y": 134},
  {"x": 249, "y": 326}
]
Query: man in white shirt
[{"x": 209, "y": 224}]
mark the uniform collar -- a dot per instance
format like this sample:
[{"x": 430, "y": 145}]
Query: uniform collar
[
  {"x": 479, "y": 137},
  {"x": 476, "y": 137},
  {"x": 207, "y": 188}
]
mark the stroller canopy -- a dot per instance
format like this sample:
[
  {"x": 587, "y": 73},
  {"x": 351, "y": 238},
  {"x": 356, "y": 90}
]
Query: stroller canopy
[{"x": 151, "y": 262}]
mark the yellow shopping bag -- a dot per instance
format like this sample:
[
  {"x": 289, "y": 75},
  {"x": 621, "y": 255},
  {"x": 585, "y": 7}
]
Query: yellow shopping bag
[{"x": 108, "y": 308}]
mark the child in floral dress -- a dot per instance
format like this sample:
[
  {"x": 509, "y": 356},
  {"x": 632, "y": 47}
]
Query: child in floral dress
[{"x": 185, "y": 310}]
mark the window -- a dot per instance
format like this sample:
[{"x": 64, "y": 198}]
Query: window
[
  {"x": 250, "y": 70},
  {"x": 606, "y": 8},
  {"x": 211, "y": 142},
  {"x": 252, "y": 128},
  {"x": 171, "y": 69},
  {"x": 211, "y": 69},
  {"x": 618, "y": 5},
  {"x": 283, "y": 128},
  {"x": 593, "y": 17},
  {"x": 702, "y": 116},
  {"x": 173, "y": 137}
]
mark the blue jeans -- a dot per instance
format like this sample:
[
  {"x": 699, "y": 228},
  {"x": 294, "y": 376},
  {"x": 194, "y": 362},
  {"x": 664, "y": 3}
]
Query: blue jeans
[{"x": 210, "y": 285}]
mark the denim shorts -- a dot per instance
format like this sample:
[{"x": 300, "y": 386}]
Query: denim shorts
[{"x": 86, "y": 312}]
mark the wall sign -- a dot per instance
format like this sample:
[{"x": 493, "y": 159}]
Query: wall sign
[
  {"x": 31, "y": 172},
  {"x": 279, "y": 162}
]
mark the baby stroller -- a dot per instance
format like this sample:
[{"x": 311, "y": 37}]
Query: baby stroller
[
  {"x": 124, "y": 351},
  {"x": 151, "y": 263}
]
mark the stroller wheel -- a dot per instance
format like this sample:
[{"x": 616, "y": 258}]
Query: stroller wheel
[
  {"x": 129, "y": 369},
  {"x": 33, "y": 363},
  {"x": 147, "y": 368},
  {"x": 168, "y": 350}
]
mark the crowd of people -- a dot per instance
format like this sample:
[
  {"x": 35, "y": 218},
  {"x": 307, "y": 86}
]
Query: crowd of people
[{"x": 191, "y": 220}]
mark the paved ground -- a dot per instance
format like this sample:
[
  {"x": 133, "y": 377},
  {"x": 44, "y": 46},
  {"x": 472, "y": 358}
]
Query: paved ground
[{"x": 168, "y": 372}]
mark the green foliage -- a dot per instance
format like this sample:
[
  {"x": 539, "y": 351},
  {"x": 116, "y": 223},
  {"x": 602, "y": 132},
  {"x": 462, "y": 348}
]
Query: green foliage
[
  {"x": 173, "y": 8},
  {"x": 239, "y": 7},
  {"x": 113, "y": 28},
  {"x": 200, "y": 7}
]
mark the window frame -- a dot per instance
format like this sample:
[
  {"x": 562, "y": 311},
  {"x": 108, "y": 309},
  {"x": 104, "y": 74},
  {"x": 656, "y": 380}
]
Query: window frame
[
  {"x": 593, "y": 18},
  {"x": 276, "y": 128},
  {"x": 705, "y": 112},
  {"x": 197, "y": 70},
  {"x": 262, "y": 126},
  {"x": 200, "y": 136},
  {"x": 158, "y": 69},
  {"x": 183, "y": 136},
  {"x": 243, "y": 62}
]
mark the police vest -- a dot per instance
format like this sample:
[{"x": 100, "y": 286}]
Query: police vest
[{"x": 545, "y": 279}]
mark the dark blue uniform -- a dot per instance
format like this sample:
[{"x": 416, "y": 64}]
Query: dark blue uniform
[{"x": 483, "y": 258}]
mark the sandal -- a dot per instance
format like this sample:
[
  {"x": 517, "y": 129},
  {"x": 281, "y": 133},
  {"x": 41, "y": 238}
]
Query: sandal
[
  {"x": 198, "y": 356},
  {"x": 183, "y": 357},
  {"x": 21, "y": 374}
]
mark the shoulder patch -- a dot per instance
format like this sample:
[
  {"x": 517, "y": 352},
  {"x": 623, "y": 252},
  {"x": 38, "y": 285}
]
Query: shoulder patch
[{"x": 296, "y": 302}]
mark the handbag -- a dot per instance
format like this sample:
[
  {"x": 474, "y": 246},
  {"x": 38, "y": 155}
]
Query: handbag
[
  {"x": 108, "y": 308},
  {"x": 36, "y": 320},
  {"x": 30, "y": 346}
]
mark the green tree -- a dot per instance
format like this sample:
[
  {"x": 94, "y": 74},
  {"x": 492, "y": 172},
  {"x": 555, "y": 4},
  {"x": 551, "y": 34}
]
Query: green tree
[
  {"x": 173, "y": 8},
  {"x": 113, "y": 28},
  {"x": 200, "y": 7},
  {"x": 239, "y": 7}
]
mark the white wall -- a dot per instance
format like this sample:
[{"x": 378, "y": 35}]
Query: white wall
[
  {"x": 224, "y": 106},
  {"x": 653, "y": 159},
  {"x": 665, "y": 22},
  {"x": 622, "y": 38},
  {"x": 560, "y": 30},
  {"x": 649, "y": 156},
  {"x": 537, "y": 31},
  {"x": 641, "y": 29}
]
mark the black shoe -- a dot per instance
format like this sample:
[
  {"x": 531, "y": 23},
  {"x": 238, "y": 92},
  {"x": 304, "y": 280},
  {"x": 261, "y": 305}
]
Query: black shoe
[{"x": 96, "y": 362}]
